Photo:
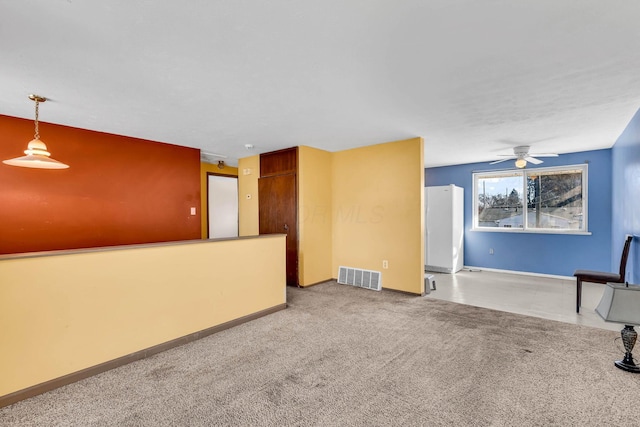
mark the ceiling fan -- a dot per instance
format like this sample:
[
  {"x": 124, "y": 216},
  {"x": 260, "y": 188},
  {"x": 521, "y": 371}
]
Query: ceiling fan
[{"x": 522, "y": 156}]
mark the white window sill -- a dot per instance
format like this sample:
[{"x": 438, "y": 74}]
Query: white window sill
[{"x": 531, "y": 231}]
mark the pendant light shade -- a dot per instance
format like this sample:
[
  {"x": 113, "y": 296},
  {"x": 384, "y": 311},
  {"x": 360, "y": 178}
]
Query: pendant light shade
[{"x": 37, "y": 155}]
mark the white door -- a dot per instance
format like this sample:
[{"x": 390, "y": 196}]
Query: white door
[{"x": 223, "y": 206}]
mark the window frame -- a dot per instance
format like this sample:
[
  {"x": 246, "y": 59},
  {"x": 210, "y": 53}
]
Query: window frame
[{"x": 524, "y": 174}]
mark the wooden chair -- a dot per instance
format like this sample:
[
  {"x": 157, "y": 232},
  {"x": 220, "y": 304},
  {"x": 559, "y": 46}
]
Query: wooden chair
[{"x": 600, "y": 276}]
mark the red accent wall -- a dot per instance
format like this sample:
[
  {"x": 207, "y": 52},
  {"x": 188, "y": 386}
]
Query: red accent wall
[{"x": 118, "y": 190}]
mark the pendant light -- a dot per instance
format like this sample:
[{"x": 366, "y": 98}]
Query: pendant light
[{"x": 37, "y": 155}]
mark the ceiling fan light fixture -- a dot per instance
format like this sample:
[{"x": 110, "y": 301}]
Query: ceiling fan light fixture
[
  {"x": 522, "y": 157},
  {"x": 37, "y": 155}
]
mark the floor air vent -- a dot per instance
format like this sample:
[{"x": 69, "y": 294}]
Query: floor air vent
[{"x": 361, "y": 278}]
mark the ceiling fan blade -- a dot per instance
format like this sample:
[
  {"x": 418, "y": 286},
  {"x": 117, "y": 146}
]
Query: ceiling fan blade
[
  {"x": 500, "y": 161},
  {"x": 545, "y": 154},
  {"x": 533, "y": 160}
]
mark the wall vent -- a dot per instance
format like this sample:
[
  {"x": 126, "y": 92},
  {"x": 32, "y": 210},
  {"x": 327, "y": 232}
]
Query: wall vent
[{"x": 361, "y": 278}]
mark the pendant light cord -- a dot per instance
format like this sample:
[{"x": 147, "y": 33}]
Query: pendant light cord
[{"x": 37, "y": 134}]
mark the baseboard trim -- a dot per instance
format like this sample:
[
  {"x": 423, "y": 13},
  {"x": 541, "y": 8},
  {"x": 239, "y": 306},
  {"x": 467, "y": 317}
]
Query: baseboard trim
[
  {"x": 46, "y": 386},
  {"x": 316, "y": 283},
  {"x": 522, "y": 273}
]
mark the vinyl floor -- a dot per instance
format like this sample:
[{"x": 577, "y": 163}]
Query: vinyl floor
[{"x": 547, "y": 298}]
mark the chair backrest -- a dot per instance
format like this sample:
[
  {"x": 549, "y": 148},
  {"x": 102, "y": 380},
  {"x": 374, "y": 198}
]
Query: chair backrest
[{"x": 625, "y": 255}]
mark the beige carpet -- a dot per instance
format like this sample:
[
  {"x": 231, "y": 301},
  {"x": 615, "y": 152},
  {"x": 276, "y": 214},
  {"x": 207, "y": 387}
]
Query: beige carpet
[{"x": 343, "y": 356}]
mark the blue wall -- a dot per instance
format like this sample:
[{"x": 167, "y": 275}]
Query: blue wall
[
  {"x": 626, "y": 196},
  {"x": 556, "y": 254}
]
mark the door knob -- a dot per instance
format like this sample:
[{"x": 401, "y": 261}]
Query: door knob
[{"x": 286, "y": 227}]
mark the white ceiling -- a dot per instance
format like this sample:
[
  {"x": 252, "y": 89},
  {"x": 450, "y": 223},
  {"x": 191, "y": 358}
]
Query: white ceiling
[{"x": 473, "y": 77}]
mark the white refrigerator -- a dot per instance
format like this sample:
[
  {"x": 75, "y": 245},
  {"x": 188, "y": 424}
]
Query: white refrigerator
[{"x": 444, "y": 224}]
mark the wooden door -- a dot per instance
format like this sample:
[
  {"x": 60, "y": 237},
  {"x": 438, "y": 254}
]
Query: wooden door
[{"x": 278, "y": 213}]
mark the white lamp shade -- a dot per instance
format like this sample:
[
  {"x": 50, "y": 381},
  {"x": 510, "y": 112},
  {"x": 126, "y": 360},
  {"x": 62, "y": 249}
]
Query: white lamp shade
[
  {"x": 36, "y": 157},
  {"x": 36, "y": 162},
  {"x": 620, "y": 304}
]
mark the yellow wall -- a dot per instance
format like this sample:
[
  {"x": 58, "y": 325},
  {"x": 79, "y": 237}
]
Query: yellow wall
[
  {"x": 378, "y": 212},
  {"x": 375, "y": 195},
  {"x": 63, "y": 313},
  {"x": 314, "y": 216},
  {"x": 248, "y": 224},
  {"x": 204, "y": 169}
]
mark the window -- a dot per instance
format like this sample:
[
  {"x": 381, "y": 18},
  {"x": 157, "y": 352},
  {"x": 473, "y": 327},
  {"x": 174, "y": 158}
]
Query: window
[{"x": 549, "y": 200}]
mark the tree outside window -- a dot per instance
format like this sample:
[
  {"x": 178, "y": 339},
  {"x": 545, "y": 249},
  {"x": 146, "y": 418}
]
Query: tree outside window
[{"x": 555, "y": 200}]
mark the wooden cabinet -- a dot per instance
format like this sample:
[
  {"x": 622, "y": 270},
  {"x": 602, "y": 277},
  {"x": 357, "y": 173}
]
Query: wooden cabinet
[
  {"x": 278, "y": 202},
  {"x": 279, "y": 162}
]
